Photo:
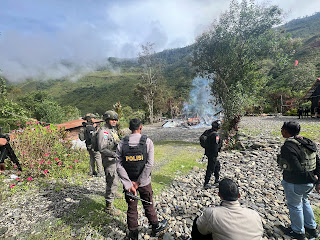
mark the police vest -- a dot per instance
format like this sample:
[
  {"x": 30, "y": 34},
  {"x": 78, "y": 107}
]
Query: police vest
[
  {"x": 134, "y": 157},
  {"x": 308, "y": 158}
]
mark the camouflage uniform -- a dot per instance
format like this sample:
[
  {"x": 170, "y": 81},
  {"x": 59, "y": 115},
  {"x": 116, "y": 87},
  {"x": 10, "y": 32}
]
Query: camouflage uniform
[
  {"x": 95, "y": 156},
  {"x": 107, "y": 141}
]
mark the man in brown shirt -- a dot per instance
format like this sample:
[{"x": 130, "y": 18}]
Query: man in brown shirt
[{"x": 135, "y": 156}]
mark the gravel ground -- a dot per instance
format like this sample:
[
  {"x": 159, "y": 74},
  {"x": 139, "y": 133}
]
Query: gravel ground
[{"x": 257, "y": 176}]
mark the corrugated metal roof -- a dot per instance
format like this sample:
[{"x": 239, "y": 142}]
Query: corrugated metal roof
[
  {"x": 312, "y": 89},
  {"x": 75, "y": 123}
]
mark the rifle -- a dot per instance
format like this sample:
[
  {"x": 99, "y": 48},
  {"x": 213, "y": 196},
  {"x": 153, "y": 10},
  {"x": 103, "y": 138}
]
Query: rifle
[
  {"x": 135, "y": 197},
  {"x": 7, "y": 151}
]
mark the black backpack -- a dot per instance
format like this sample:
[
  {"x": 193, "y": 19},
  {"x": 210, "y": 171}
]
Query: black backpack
[
  {"x": 204, "y": 138},
  {"x": 89, "y": 131}
]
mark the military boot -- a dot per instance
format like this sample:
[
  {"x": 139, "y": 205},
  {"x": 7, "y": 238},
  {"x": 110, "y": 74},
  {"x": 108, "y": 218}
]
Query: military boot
[
  {"x": 111, "y": 210},
  {"x": 134, "y": 235}
]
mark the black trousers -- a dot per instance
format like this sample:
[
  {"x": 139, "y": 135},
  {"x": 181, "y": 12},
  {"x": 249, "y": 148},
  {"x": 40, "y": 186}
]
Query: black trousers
[{"x": 213, "y": 167}]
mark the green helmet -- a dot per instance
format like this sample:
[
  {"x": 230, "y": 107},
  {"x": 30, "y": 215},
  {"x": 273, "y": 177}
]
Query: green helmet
[
  {"x": 88, "y": 115},
  {"x": 110, "y": 115}
]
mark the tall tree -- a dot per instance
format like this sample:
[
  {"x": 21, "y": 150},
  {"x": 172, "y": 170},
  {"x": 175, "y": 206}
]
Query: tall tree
[
  {"x": 232, "y": 51},
  {"x": 151, "y": 77}
]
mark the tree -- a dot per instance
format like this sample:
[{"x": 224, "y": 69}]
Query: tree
[
  {"x": 11, "y": 114},
  {"x": 151, "y": 77},
  {"x": 232, "y": 52}
]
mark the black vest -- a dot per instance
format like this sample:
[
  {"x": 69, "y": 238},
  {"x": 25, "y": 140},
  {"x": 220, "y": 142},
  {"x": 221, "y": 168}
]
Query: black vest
[{"x": 134, "y": 157}]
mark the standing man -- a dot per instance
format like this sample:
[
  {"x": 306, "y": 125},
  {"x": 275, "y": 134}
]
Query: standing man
[
  {"x": 301, "y": 170},
  {"x": 107, "y": 141},
  {"x": 135, "y": 156},
  {"x": 212, "y": 147},
  {"x": 86, "y": 134},
  {"x": 229, "y": 221},
  {"x": 300, "y": 112}
]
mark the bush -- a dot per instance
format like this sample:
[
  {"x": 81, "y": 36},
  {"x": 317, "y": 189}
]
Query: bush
[
  {"x": 292, "y": 112},
  {"x": 43, "y": 152}
]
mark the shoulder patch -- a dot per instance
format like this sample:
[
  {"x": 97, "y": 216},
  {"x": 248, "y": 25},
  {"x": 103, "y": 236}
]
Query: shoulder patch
[{"x": 217, "y": 139}]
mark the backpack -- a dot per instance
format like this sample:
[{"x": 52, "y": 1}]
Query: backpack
[
  {"x": 81, "y": 134},
  {"x": 204, "y": 138},
  {"x": 308, "y": 158},
  {"x": 90, "y": 136},
  {"x": 94, "y": 141}
]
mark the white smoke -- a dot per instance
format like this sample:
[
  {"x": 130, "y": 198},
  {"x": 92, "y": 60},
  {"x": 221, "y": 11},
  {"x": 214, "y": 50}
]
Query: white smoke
[{"x": 201, "y": 103}]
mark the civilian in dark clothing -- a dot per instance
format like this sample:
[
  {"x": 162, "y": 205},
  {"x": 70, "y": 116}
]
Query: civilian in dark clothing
[
  {"x": 300, "y": 112},
  {"x": 301, "y": 168},
  {"x": 211, "y": 151},
  {"x": 306, "y": 111}
]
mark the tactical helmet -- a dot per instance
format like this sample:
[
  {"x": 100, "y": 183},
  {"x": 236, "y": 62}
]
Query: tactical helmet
[
  {"x": 110, "y": 115},
  {"x": 88, "y": 115},
  {"x": 216, "y": 124}
]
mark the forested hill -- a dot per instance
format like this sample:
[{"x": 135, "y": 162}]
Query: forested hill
[
  {"x": 304, "y": 27},
  {"x": 98, "y": 91}
]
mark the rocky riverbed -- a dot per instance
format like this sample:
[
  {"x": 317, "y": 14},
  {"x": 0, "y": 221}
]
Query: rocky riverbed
[{"x": 254, "y": 169}]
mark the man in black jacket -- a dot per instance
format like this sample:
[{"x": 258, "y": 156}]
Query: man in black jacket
[
  {"x": 211, "y": 151},
  {"x": 301, "y": 171}
]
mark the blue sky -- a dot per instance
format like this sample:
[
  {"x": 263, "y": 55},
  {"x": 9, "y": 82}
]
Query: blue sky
[{"x": 36, "y": 35}]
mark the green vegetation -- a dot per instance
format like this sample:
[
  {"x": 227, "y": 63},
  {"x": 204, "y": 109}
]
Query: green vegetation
[
  {"x": 307, "y": 130},
  {"x": 243, "y": 51},
  {"x": 44, "y": 154},
  {"x": 173, "y": 158}
]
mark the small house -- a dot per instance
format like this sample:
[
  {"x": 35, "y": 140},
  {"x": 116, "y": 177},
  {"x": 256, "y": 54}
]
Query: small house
[
  {"x": 313, "y": 95},
  {"x": 73, "y": 127}
]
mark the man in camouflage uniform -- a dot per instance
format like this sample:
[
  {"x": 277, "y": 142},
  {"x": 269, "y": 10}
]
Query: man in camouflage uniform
[
  {"x": 86, "y": 135},
  {"x": 107, "y": 141}
]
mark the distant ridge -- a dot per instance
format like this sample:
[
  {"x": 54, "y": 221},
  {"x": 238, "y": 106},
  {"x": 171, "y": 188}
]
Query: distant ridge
[{"x": 303, "y": 27}]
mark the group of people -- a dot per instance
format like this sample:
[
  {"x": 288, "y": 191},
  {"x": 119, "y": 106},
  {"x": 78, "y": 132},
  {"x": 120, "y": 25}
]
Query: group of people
[
  {"x": 300, "y": 165},
  {"x": 130, "y": 160},
  {"x": 303, "y": 112}
]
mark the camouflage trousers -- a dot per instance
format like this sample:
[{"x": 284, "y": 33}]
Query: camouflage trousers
[
  {"x": 95, "y": 159},
  {"x": 112, "y": 179}
]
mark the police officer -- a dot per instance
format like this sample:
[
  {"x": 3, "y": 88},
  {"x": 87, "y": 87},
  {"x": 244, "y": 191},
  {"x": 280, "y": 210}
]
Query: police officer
[
  {"x": 135, "y": 157},
  {"x": 87, "y": 134},
  {"x": 211, "y": 151},
  {"x": 107, "y": 141}
]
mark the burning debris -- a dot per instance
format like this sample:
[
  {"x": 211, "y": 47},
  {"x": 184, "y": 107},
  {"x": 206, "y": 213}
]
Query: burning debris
[
  {"x": 193, "y": 122},
  {"x": 200, "y": 110}
]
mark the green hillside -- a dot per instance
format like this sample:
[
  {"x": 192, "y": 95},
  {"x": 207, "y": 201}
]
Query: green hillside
[
  {"x": 98, "y": 91},
  {"x": 115, "y": 81},
  {"x": 303, "y": 27}
]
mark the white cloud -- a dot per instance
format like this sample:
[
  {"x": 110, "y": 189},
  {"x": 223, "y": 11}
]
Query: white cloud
[{"x": 40, "y": 37}]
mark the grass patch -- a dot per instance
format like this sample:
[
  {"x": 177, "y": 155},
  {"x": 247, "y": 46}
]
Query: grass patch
[
  {"x": 309, "y": 131},
  {"x": 316, "y": 212},
  {"x": 86, "y": 218},
  {"x": 173, "y": 158}
]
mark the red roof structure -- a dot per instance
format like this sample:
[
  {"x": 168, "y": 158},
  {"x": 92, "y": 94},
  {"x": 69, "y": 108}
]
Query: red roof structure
[{"x": 75, "y": 124}]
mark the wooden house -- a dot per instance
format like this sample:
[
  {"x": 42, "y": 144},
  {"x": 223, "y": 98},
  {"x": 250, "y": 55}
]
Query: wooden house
[{"x": 73, "y": 127}]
